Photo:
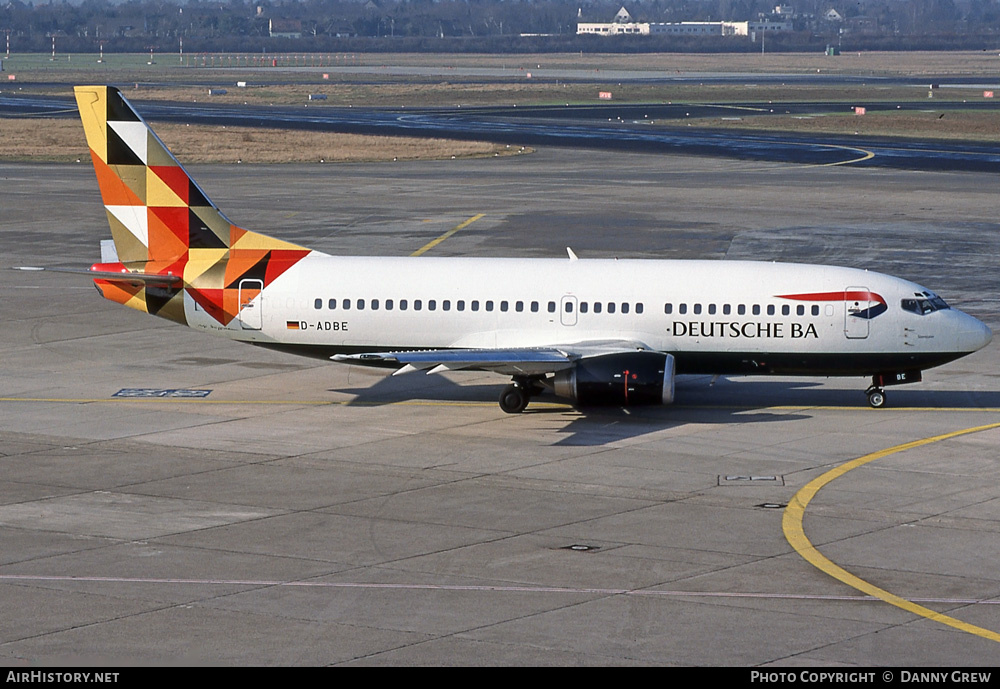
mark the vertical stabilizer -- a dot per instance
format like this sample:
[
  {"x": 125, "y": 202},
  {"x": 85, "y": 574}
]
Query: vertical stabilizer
[
  {"x": 156, "y": 211},
  {"x": 163, "y": 223}
]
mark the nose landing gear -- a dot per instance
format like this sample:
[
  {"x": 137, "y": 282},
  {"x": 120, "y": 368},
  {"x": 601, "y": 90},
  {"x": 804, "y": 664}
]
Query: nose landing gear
[
  {"x": 876, "y": 397},
  {"x": 876, "y": 391}
]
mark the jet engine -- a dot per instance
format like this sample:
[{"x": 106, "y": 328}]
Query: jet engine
[{"x": 619, "y": 379}]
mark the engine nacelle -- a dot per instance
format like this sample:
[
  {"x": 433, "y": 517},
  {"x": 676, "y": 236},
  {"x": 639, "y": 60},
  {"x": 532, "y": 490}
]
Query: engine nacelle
[{"x": 619, "y": 379}]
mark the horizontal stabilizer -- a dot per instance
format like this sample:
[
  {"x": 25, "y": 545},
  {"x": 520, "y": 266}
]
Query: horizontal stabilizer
[{"x": 113, "y": 276}]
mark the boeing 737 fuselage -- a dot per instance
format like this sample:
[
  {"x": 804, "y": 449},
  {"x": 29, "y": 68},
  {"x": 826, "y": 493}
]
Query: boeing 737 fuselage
[{"x": 597, "y": 331}]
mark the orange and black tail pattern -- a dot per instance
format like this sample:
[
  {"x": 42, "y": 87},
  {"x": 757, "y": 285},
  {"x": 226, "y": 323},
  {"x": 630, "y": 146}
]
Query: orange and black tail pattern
[{"x": 162, "y": 223}]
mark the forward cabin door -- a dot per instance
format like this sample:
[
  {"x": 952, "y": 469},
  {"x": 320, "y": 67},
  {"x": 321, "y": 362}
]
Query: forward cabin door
[
  {"x": 857, "y": 305},
  {"x": 250, "y": 310},
  {"x": 567, "y": 310}
]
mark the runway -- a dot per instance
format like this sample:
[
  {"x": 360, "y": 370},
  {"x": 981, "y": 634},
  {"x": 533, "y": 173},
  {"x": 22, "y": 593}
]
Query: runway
[
  {"x": 303, "y": 513},
  {"x": 647, "y": 128}
]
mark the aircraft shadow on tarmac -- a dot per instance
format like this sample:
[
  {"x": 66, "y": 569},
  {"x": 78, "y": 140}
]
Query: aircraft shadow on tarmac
[
  {"x": 763, "y": 392},
  {"x": 727, "y": 401}
]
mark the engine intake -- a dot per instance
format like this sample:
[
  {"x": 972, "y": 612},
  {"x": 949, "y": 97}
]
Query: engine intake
[{"x": 619, "y": 379}]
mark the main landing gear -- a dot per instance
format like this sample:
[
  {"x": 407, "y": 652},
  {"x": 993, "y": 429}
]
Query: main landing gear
[{"x": 515, "y": 397}]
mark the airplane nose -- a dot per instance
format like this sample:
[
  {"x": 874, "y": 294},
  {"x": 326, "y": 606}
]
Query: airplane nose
[
  {"x": 973, "y": 334},
  {"x": 985, "y": 334}
]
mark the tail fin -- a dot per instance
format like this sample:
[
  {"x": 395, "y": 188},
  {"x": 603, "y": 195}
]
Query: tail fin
[
  {"x": 156, "y": 211},
  {"x": 164, "y": 224}
]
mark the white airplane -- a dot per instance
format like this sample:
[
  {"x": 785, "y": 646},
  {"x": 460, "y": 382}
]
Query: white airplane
[{"x": 595, "y": 331}]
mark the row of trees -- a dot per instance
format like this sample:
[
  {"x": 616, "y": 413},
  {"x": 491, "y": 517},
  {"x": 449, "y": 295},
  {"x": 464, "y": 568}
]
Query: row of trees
[{"x": 498, "y": 25}]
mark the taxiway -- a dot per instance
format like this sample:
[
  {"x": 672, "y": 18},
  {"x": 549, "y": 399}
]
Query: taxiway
[{"x": 312, "y": 514}]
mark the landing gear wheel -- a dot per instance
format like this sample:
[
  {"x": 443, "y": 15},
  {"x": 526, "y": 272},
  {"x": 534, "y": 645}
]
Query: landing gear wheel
[
  {"x": 876, "y": 398},
  {"x": 514, "y": 399}
]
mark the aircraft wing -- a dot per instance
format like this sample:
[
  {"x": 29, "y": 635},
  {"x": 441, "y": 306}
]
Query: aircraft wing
[{"x": 517, "y": 361}]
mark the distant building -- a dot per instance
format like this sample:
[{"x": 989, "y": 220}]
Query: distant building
[
  {"x": 284, "y": 28},
  {"x": 342, "y": 30},
  {"x": 623, "y": 24},
  {"x": 768, "y": 26},
  {"x": 698, "y": 29},
  {"x": 623, "y": 16}
]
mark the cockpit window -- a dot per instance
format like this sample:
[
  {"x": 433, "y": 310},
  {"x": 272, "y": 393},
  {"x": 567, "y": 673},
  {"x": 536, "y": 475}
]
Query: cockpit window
[{"x": 924, "y": 305}]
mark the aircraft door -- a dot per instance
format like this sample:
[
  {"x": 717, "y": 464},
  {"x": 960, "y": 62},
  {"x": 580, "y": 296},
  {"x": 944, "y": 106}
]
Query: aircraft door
[
  {"x": 250, "y": 305},
  {"x": 568, "y": 309},
  {"x": 857, "y": 305}
]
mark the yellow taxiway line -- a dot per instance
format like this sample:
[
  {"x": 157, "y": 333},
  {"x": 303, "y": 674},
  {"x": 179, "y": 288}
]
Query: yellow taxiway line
[
  {"x": 431, "y": 244},
  {"x": 795, "y": 534}
]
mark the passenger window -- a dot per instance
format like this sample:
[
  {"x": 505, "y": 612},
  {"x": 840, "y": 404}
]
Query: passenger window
[
  {"x": 503, "y": 306},
  {"x": 446, "y": 305},
  {"x": 361, "y": 304},
  {"x": 583, "y": 307},
  {"x": 417, "y": 304},
  {"x": 785, "y": 309},
  {"x": 668, "y": 309},
  {"x": 568, "y": 306},
  {"x": 374, "y": 304},
  {"x": 388, "y": 304},
  {"x": 770, "y": 309},
  {"x": 534, "y": 307},
  {"x": 475, "y": 304},
  {"x": 318, "y": 304},
  {"x": 800, "y": 310},
  {"x": 432, "y": 305},
  {"x": 711, "y": 309},
  {"x": 552, "y": 307},
  {"x": 625, "y": 307},
  {"x": 638, "y": 307},
  {"x": 460, "y": 305},
  {"x": 682, "y": 309},
  {"x": 611, "y": 307},
  {"x": 726, "y": 309},
  {"x": 403, "y": 304},
  {"x": 489, "y": 306},
  {"x": 346, "y": 304},
  {"x": 756, "y": 309},
  {"x": 815, "y": 310},
  {"x": 519, "y": 306},
  {"x": 741, "y": 309},
  {"x": 332, "y": 304},
  {"x": 598, "y": 307},
  {"x": 697, "y": 309}
]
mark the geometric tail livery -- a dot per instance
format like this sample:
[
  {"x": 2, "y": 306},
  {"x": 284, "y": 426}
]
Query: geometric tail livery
[{"x": 163, "y": 224}]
